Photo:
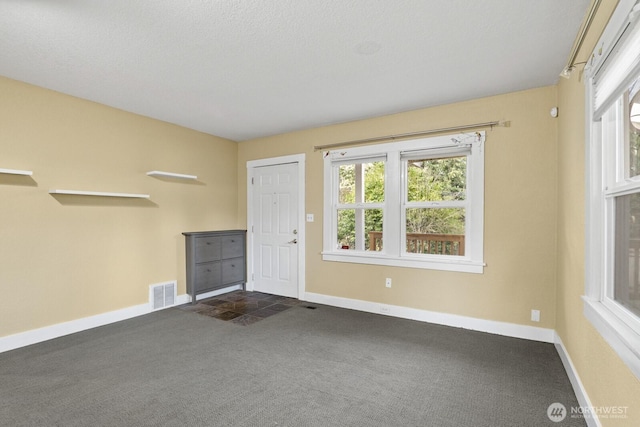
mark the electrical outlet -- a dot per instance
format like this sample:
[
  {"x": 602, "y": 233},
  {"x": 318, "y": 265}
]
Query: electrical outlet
[
  {"x": 309, "y": 217},
  {"x": 535, "y": 315},
  {"x": 387, "y": 282},
  {"x": 384, "y": 309}
]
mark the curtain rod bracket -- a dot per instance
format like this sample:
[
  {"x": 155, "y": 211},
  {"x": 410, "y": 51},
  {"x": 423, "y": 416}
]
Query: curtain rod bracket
[{"x": 582, "y": 35}]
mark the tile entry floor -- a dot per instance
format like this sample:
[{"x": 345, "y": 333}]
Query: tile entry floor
[{"x": 242, "y": 307}]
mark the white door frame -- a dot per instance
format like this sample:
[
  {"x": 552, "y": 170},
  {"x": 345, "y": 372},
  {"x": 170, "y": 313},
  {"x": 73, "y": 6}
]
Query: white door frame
[{"x": 298, "y": 159}]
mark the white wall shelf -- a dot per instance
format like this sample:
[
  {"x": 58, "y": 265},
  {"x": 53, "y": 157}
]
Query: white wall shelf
[
  {"x": 99, "y": 194},
  {"x": 16, "y": 172},
  {"x": 171, "y": 175}
]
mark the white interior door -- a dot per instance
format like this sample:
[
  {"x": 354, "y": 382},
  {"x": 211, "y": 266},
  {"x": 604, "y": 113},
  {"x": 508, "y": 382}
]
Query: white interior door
[{"x": 275, "y": 229}]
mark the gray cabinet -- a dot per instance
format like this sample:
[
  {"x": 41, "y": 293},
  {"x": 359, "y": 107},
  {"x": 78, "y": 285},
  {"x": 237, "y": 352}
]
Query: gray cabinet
[{"x": 215, "y": 260}]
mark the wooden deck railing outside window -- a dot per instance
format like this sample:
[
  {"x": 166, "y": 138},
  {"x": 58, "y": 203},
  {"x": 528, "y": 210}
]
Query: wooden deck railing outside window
[
  {"x": 631, "y": 293},
  {"x": 418, "y": 243}
]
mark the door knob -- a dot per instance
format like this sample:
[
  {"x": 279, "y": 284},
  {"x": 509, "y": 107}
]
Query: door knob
[{"x": 294, "y": 241}]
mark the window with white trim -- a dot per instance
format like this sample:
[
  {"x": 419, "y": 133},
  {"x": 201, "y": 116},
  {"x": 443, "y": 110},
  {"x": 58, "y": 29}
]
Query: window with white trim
[
  {"x": 612, "y": 300},
  {"x": 416, "y": 203}
]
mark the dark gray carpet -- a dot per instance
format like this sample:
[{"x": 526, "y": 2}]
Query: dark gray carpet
[{"x": 301, "y": 367}]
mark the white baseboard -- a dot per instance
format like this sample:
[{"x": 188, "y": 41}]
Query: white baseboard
[
  {"x": 182, "y": 299},
  {"x": 576, "y": 383},
  {"x": 35, "y": 336},
  {"x": 214, "y": 293},
  {"x": 491, "y": 326}
]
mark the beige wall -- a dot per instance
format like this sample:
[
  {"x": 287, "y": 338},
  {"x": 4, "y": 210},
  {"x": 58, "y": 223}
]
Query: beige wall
[
  {"x": 65, "y": 258},
  {"x": 607, "y": 379},
  {"x": 520, "y": 207}
]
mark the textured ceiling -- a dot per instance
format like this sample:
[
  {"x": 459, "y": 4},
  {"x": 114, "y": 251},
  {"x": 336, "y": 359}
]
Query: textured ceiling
[{"x": 245, "y": 69}]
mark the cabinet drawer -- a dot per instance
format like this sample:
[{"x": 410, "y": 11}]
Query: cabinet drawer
[
  {"x": 207, "y": 249},
  {"x": 207, "y": 275},
  {"x": 232, "y": 246},
  {"x": 232, "y": 270}
]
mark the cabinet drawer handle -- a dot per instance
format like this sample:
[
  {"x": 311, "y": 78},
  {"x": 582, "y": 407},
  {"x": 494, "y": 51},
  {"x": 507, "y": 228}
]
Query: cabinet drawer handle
[
  {"x": 208, "y": 270},
  {"x": 233, "y": 265},
  {"x": 233, "y": 241},
  {"x": 208, "y": 243}
]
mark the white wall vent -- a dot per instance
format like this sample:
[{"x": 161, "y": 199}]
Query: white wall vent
[{"x": 162, "y": 295}]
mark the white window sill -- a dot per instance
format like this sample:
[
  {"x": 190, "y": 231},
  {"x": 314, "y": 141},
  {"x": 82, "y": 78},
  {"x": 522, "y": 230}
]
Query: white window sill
[
  {"x": 430, "y": 263},
  {"x": 624, "y": 340}
]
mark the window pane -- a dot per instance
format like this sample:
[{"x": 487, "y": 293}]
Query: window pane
[
  {"x": 627, "y": 252},
  {"x": 346, "y": 228},
  {"x": 634, "y": 128},
  {"x": 437, "y": 179},
  {"x": 373, "y": 229},
  {"x": 360, "y": 229},
  {"x": 436, "y": 231},
  {"x": 353, "y": 176},
  {"x": 347, "y": 188}
]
